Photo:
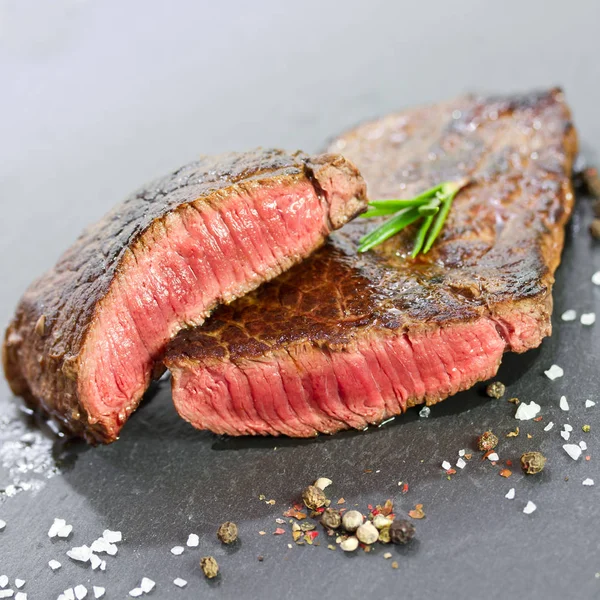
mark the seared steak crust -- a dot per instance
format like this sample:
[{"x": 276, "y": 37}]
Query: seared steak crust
[
  {"x": 492, "y": 266},
  {"x": 43, "y": 353}
]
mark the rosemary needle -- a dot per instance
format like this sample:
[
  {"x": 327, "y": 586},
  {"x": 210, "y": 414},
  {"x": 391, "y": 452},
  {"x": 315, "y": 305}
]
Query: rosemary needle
[{"x": 389, "y": 228}]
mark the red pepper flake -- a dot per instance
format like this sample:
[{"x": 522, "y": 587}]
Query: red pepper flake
[
  {"x": 451, "y": 472},
  {"x": 312, "y": 534},
  {"x": 509, "y": 463},
  {"x": 341, "y": 501},
  {"x": 538, "y": 419},
  {"x": 588, "y": 457},
  {"x": 505, "y": 473},
  {"x": 279, "y": 531},
  {"x": 295, "y": 514},
  {"x": 468, "y": 456},
  {"x": 370, "y": 506},
  {"x": 417, "y": 512},
  {"x": 405, "y": 488},
  {"x": 368, "y": 471},
  {"x": 298, "y": 506},
  {"x": 320, "y": 510}
]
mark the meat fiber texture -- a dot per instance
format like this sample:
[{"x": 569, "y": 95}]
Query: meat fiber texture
[
  {"x": 89, "y": 335},
  {"x": 346, "y": 340}
]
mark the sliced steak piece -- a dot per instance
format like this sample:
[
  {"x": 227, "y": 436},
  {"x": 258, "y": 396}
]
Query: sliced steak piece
[
  {"x": 87, "y": 335},
  {"x": 344, "y": 340}
]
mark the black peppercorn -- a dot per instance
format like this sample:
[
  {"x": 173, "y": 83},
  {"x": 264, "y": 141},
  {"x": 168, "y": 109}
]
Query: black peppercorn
[
  {"x": 533, "y": 462},
  {"x": 331, "y": 518},
  {"x": 314, "y": 497},
  {"x": 401, "y": 531}
]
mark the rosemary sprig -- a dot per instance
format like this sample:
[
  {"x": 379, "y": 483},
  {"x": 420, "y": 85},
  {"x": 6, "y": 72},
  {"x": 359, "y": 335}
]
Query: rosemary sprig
[{"x": 432, "y": 205}]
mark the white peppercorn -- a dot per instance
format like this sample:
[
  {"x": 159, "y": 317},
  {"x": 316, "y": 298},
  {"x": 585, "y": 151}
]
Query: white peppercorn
[
  {"x": 349, "y": 544},
  {"x": 322, "y": 483},
  {"x": 352, "y": 520},
  {"x": 367, "y": 533}
]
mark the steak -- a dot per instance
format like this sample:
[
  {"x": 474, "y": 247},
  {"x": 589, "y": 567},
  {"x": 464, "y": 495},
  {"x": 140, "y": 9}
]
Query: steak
[
  {"x": 87, "y": 335},
  {"x": 345, "y": 340}
]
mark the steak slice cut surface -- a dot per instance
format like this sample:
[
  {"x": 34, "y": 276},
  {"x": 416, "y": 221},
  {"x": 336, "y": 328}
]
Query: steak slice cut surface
[
  {"x": 344, "y": 340},
  {"x": 88, "y": 335}
]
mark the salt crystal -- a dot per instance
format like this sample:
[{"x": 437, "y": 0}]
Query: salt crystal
[
  {"x": 493, "y": 456},
  {"x": 56, "y": 526},
  {"x": 147, "y": 585},
  {"x": 2, "y": 524},
  {"x": 103, "y": 545},
  {"x": 99, "y": 591},
  {"x": 64, "y": 531},
  {"x": 583, "y": 445},
  {"x": 112, "y": 536},
  {"x": 549, "y": 426},
  {"x": 3, "y": 581},
  {"x": 6, "y": 593},
  {"x": 69, "y": 594},
  {"x": 54, "y": 564},
  {"x": 425, "y": 412},
  {"x": 529, "y": 508},
  {"x": 462, "y": 452},
  {"x": 596, "y": 278},
  {"x": 569, "y": 315},
  {"x": 80, "y": 592},
  {"x": 20, "y": 596},
  {"x": 568, "y": 427},
  {"x": 135, "y": 592},
  {"x": 589, "y": 403},
  {"x": 19, "y": 583},
  {"x": 525, "y": 412},
  {"x": 95, "y": 561},
  {"x": 461, "y": 463},
  {"x": 446, "y": 465},
  {"x": 177, "y": 550},
  {"x": 588, "y": 318},
  {"x": 573, "y": 450},
  {"x": 180, "y": 582},
  {"x": 554, "y": 372},
  {"x": 103, "y": 565},
  {"x": 588, "y": 481},
  {"x": 564, "y": 405},
  {"x": 80, "y": 553},
  {"x": 193, "y": 541},
  {"x": 510, "y": 494},
  {"x": 565, "y": 435}
]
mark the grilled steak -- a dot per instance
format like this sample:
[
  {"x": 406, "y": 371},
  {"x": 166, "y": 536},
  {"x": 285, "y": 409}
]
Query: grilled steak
[
  {"x": 344, "y": 340},
  {"x": 87, "y": 335}
]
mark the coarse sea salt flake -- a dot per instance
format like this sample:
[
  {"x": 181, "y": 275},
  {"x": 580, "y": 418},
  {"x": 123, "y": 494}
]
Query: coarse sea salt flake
[
  {"x": 103, "y": 565},
  {"x": 69, "y": 594},
  {"x": 20, "y": 596},
  {"x": 3, "y": 581},
  {"x": 573, "y": 450},
  {"x": 64, "y": 531},
  {"x": 54, "y": 564},
  {"x": 95, "y": 561},
  {"x": 99, "y": 591},
  {"x": 493, "y": 456},
  {"x": 588, "y": 481},
  {"x": 510, "y": 494},
  {"x": 2, "y": 524},
  {"x": 569, "y": 315},
  {"x": 177, "y": 550},
  {"x": 112, "y": 536},
  {"x": 446, "y": 465},
  {"x": 80, "y": 553},
  {"x": 596, "y": 278},
  {"x": 549, "y": 426},
  {"x": 56, "y": 526},
  {"x": 19, "y": 583},
  {"x": 589, "y": 403},
  {"x": 564, "y": 405},
  {"x": 462, "y": 452},
  {"x": 147, "y": 585},
  {"x": 529, "y": 508},
  {"x": 425, "y": 412},
  {"x": 193, "y": 541},
  {"x": 180, "y": 582},
  {"x": 568, "y": 427},
  {"x": 135, "y": 592},
  {"x": 525, "y": 412},
  {"x": 6, "y": 593},
  {"x": 80, "y": 592},
  {"x": 588, "y": 318},
  {"x": 554, "y": 372},
  {"x": 583, "y": 445},
  {"x": 461, "y": 463},
  {"x": 565, "y": 435}
]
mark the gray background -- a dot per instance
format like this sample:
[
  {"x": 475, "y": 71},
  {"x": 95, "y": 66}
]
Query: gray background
[{"x": 96, "y": 98}]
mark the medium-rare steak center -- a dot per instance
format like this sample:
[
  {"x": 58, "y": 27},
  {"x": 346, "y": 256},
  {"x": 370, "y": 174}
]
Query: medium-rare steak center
[
  {"x": 344, "y": 340},
  {"x": 86, "y": 336}
]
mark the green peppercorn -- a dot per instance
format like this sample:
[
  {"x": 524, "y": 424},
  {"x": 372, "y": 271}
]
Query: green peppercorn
[
  {"x": 487, "y": 441},
  {"x": 331, "y": 518},
  {"x": 401, "y": 531},
  {"x": 533, "y": 462},
  {"x": 384, "y": 534},
  {"x": 314, "y": 497},
  {"x": 227, "y": 532},
  {"x": 586, "y": 428},
  {"x": 495, "y": 390},
  {"x": 209, "y": 567}
]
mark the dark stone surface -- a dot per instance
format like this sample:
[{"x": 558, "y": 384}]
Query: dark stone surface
[{"x": 105, "y": 96}]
